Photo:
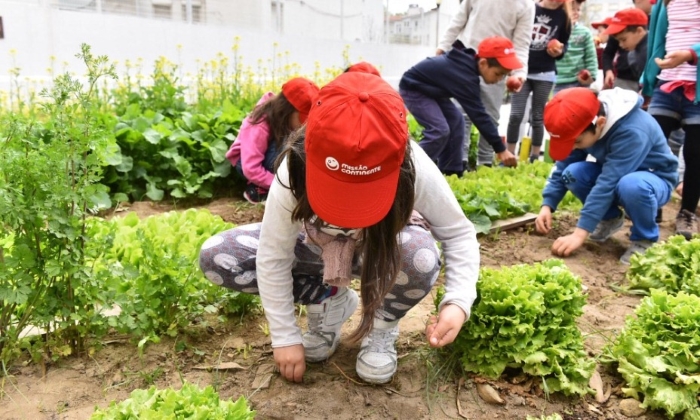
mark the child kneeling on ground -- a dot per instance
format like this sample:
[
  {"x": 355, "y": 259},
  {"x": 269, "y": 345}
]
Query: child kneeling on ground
[
  {"x": 634, "y": 167},
  {"x": 263, "y": 132},
  {"x": 352, "y": 197}
]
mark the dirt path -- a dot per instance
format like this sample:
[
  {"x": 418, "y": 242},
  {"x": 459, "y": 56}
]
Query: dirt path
[{"x": 421, "y": 389}]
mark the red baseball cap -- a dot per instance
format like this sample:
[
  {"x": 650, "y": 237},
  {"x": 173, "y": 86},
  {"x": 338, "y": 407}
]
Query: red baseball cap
[
  {"x": 566, "y": 116},
  {"x": 356, "y": 139},
  {"x": 625, "y": 18},
  {"x": 300, "y": 92},
  {"x": 605, "y": 22},
  {"x": 364, "y": 67},
  {"x": 501, "y": 49}
]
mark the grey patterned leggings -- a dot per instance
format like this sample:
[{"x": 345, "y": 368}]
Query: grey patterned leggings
[{"x": 228, "y": 259}]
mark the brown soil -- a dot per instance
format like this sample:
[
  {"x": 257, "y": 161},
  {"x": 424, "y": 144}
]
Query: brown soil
[{"x": 422, "y": 389}]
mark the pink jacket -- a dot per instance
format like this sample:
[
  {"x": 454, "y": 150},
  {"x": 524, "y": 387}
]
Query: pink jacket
[{"x": 250, "y": 147}]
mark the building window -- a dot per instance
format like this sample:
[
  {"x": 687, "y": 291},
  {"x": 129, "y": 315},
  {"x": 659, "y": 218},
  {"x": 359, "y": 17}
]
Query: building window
[
  {"x": 196, "y": 13},
  {"x": 162, "y": 11}
]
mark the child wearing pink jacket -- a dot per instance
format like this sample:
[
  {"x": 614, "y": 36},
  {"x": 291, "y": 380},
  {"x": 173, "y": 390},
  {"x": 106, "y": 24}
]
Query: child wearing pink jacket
[{"x": 264, "y": 131}]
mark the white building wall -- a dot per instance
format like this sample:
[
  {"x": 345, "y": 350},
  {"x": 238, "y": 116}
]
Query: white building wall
[{"x": 36, "y": 32}]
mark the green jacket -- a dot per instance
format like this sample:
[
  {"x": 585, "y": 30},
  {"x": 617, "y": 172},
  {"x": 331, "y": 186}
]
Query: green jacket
[
  {"x": 580, "y": 55},
  {"x": 658, "y": 26}
]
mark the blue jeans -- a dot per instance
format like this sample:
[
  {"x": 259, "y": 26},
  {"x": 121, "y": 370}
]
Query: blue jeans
[
  {"x": 443, "y": 129},
  {"x": 674, "y": 105},
  {"x": 269, "y": 163},
  {"x": 639, "y": 193}
]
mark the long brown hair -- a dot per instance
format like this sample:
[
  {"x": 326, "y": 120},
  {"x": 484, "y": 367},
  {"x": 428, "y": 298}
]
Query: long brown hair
[
  {"x": 379, "y": 249},
  {"x": 276, "y": 112}
]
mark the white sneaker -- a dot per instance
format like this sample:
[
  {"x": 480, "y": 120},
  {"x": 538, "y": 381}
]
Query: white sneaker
[
  {"x": 325, "y": 320},
  {"x": 377, "y": 361}
]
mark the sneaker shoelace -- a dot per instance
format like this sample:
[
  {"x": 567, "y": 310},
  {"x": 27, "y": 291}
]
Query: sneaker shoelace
[
  {"x": 381, "y": 341},
  {"x": 689, "y": 218},
  {"x": 314, "y": 323}
]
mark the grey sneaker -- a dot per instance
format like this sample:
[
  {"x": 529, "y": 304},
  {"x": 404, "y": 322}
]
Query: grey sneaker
[
  {"x": 607, "y": 228},
  {"x": 325, "y": 320},
  {"x": 686, "y": 224},
  {"x": 634, "y": 248},
  {"x": 377, "y": 360}
]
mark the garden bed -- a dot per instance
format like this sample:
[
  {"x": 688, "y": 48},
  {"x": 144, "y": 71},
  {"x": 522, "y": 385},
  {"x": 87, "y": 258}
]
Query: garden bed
[{"x": 422, "y": 389}]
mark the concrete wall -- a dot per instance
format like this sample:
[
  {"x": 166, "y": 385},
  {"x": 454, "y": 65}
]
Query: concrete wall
[{"x": 36, "y": 32}]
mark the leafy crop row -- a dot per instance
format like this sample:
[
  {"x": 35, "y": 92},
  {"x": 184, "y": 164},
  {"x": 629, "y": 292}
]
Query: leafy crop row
[
  {"x": 149, "y": 269},
  {"x": 499, "y": 193}
]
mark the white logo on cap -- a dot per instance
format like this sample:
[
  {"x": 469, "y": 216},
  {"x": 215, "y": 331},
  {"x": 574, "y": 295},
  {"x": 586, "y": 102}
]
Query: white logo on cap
[
  {"x": 508, "y": 51},
  {"x": 332, "y": 164}
]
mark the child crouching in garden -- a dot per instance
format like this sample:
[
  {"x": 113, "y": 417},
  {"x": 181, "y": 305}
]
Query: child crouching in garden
[
  {"x": 634, "y": 167},
  {"x": 263, "y": 132},
  {"x": 352, "y": 197}
]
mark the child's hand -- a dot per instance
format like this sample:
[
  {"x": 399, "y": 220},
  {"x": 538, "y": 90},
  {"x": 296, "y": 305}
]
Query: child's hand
[
  {"x": 290, "y": 361},
  {"x": 565, "y": 245},
  {"x": 609, "y": 80},
  {"x": 555, "y": 48},
  {"x": 443, "y": 329},
  {"x": 543, "y": 223},
  {"x": 507, "y": 158},
  {"x": 674, "y": 59},
  {"x": 584, "y": 77},
  {"x": 514, "y": 83}
]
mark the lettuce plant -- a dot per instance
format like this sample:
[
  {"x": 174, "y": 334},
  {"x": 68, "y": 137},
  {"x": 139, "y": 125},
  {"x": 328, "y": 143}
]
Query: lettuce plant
[
  {"x": 658, "y": 353},
  {"x": 673, "y": 266},
  {"x": 525, "y": 318},
  {"x": 189, "y": 402}
]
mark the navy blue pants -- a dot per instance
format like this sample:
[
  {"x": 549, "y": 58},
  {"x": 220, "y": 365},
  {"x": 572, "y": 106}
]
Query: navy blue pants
[{"x": 443, "y": 129}]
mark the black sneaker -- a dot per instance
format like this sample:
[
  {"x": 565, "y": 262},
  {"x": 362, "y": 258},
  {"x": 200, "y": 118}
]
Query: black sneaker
[
  {"x": 660, "y": 215},
  {"x": 255, "y": 194}
]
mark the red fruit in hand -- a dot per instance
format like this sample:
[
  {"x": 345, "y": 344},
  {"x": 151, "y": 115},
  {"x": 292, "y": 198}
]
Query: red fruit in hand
[
  {"x": 554, "y": 45},
  {"x": 513, "y": 84},
  {"x": 584, "y": 74}
]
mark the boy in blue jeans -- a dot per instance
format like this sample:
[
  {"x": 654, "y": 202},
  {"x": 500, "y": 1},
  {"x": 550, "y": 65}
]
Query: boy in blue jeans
[
  {"x": 634, "y": 167},
  {"x": 427, "y": 87}
]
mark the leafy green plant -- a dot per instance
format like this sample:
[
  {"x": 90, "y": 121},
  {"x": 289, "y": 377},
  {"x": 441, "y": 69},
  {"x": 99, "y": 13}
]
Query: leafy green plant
[
  {"x": 50, "y": 175},
  {"x": 673, "y": 266},
  {"x": 183, "y": 155},
  {"x": 189, "y": 402},
  {"x": 150, "y": 267},
  {"x": 525, "y": 318},
  {"x": 499, "y": 193},
  {"x": 658, "y": 353}
]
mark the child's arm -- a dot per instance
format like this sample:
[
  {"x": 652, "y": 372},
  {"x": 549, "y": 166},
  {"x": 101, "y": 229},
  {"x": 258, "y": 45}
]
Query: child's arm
[
  {"x": 436, "y": 202},
  {"x": 457, "y": 25},
  {"x": 274, "y": 261},
  {"x": 591, "y": 56},
  {"x": 522, "y": 37},
  {"x": 468, "y": 94}
]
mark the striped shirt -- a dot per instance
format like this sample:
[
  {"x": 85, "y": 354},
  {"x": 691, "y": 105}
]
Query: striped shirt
[{"x": 683, "y": 33}]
